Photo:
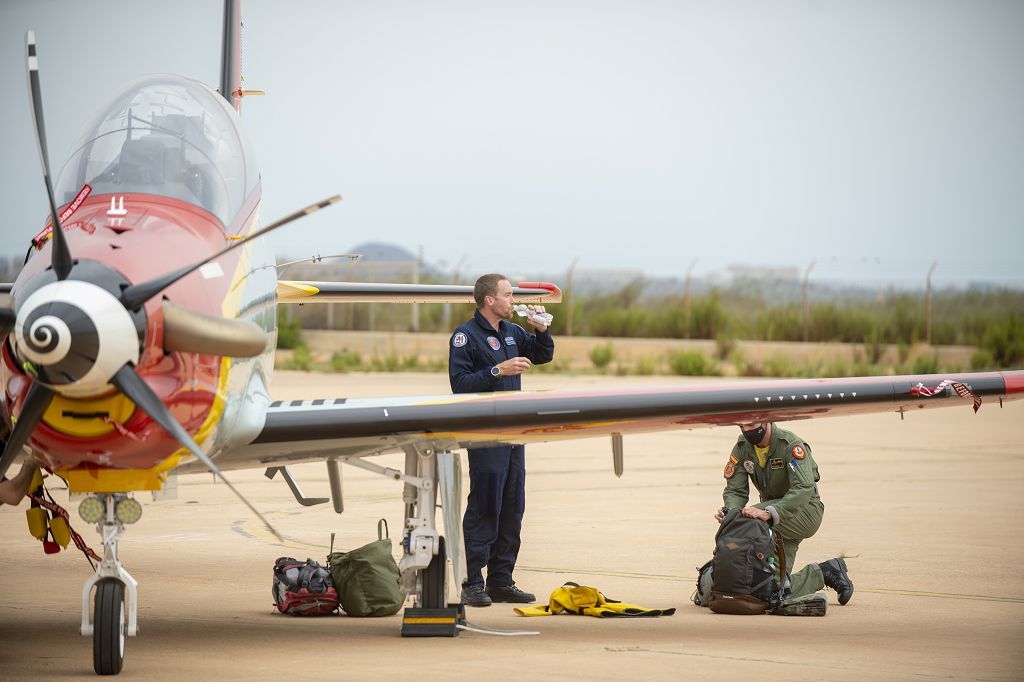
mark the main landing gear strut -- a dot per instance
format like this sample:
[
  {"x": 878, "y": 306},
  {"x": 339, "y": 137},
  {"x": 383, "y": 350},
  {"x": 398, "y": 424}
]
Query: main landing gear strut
[
  {"x": 115, "y": 606},
  {"x": 425, "y": 552}
]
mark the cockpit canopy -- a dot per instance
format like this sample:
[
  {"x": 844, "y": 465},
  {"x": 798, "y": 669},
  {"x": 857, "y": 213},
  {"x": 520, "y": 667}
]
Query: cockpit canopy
[{"x": 169, "y": 136}]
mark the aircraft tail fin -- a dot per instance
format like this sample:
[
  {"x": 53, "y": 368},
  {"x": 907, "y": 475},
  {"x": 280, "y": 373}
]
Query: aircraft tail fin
[{"x": 230, "y": 54}]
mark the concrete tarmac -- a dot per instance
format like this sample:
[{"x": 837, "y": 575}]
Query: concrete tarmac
[{"x": 921, "y": 508}]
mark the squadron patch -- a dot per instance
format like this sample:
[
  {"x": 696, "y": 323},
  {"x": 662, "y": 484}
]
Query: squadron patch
[
  {"x": 748, "y": 466},
  {"x": 730, "y": 469},
  {"x": 459, "y": 340},
  {"x": 776, "y": 464},
  {"x": 798, "y": 452},
  {"x": 510, "y": 340},
  {"x": 493, "y": 342}
]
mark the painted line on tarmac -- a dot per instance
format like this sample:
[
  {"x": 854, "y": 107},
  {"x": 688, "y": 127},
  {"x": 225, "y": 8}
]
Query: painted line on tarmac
[
  {"x": 253, "y": 532},
  {"x": 945, "y": 595},
  {"x": 693, "y": 579}
]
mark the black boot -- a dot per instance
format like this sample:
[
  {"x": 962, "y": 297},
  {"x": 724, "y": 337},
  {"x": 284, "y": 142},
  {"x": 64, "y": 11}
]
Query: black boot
[
  {"x": 834, "y": 572},
  {"x": 510, "y": 593},
  {"x": 475, "y": 595}
]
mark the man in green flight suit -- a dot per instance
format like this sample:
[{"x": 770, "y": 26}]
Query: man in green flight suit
[{"x": 781, "y": 466}]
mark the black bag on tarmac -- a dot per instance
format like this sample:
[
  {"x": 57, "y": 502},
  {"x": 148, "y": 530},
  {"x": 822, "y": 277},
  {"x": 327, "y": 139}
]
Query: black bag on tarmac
[{"x": 742, "y": 572}]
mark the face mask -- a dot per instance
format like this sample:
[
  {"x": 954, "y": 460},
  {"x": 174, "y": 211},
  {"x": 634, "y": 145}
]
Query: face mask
[{"x": 754, "y": 436}]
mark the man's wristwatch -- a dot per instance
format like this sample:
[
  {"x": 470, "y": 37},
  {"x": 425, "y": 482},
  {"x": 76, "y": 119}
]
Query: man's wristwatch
[{"x": 496, "y": 372}]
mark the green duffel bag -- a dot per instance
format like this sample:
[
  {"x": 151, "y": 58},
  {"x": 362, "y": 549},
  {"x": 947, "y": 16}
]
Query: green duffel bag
[{"x": 367, "y": 579}]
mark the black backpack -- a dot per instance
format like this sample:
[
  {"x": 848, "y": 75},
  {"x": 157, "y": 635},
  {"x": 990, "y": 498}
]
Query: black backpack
[{"x": 743, "y": 569}]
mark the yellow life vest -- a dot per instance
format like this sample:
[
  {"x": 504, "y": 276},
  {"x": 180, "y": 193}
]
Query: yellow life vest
[{"x": 581, "y": 600}]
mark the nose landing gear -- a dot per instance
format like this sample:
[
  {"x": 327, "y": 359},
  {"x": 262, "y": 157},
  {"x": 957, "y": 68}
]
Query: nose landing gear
[{"x": 115, "y": 605}]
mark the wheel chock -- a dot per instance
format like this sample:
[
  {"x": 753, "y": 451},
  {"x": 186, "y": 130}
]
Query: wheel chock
[{"x": 433, "y": 622}]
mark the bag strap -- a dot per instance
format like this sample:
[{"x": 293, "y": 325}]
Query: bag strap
[
  {"x": 383, "y": 534},
  {"x": 780, "y": 551}
]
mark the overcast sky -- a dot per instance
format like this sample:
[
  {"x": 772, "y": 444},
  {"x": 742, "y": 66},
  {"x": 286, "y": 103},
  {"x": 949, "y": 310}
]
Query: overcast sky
[{"x": 872, "y": 136}]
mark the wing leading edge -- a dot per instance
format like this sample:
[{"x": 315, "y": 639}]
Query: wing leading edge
[{"x": 300, "y": 430}]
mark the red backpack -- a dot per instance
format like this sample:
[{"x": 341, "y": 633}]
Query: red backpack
[{"x": 303, "y": 588}]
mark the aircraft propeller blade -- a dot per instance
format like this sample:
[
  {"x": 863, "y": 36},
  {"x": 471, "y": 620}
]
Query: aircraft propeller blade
[
  {"x": 137, "y": 294},
  {"x": 36, "y": 402},
  {"x": 59, "y": 252},
  {"x": 132, "y": 385},
  {"x": 5, "y": 421},
  {"x": 7, "y": 319}
]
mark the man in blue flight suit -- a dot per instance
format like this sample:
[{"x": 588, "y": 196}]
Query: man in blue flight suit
[{"x": 488, "y": 353}]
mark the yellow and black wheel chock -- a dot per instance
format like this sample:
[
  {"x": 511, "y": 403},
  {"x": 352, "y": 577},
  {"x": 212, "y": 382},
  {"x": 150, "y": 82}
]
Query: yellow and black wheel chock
[{"x": 445, "y": 622}]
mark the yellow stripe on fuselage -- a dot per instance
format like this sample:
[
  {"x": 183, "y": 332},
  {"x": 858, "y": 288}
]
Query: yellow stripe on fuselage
[{"x": 229, "y": 308}]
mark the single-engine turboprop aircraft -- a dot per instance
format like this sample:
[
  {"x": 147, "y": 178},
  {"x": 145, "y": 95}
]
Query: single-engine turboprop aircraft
[{"x": 115, "y": 375}]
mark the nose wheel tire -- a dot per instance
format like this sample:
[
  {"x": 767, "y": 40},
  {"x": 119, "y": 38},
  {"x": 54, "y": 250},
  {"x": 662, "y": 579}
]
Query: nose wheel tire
[
  {"x": 435, "y": 593},
  {"x": 108, "y": 627}
]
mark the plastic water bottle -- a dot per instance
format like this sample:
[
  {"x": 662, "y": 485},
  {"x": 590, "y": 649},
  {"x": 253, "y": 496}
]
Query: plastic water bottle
[{"x": 540, "y": 318}]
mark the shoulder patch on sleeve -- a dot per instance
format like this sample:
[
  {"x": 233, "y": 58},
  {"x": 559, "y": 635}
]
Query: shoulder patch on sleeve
[
  {"x": 798, "y": 452},
  {"x": 459, "y": 340},
  {"x": 730, "y": 469}
]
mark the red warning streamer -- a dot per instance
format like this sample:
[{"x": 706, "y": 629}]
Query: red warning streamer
[{"x": 961, "y": 389}]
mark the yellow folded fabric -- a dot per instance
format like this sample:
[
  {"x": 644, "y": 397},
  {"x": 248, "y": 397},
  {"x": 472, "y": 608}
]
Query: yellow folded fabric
[{"x": 581, "y": 600}]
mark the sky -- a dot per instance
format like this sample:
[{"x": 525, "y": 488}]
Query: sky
[{"x": 872, "y": 138}]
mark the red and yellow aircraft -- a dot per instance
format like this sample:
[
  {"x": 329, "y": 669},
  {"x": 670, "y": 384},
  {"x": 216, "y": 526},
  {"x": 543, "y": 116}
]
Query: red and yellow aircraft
[{"x": 115, "y": 375}]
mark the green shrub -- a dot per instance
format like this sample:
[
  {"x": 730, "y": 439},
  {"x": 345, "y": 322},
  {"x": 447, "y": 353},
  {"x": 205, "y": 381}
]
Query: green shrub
[
  {"x": 435, "y": 365},
  {"x": 836, "y": 367},
  {"x": 645, "y": 366},
  {"x": 873, "y": 346},
  {"x": 780, "y": 366},
  {"x": 387, "y": 363},
  {"x": 345, "y": 360},
  {"x": 602, "y": 354},
  {"x": 926, "y": 364},
  {"x": 725, "y": 346},
  {"x": 982, "y": 359},
  {"x": 691, "y": 363},
  {"x": 863, "y": 368},
  {"x": 903, "y": 352},
  {"x": 289, "y": 329},
  {"x": 811, "y": 369},
  {"x": 749, "y": 369},
  {"x": 556, "y": 366},
  {"x": 1005, "y": 340},
  {"x": 708, "y": 318},
  {"x": 302, "y": 359}
]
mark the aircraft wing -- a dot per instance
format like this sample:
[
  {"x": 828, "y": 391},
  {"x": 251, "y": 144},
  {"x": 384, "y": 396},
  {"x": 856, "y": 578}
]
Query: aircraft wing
[
  {"x": 310, "y": 430},
  {"x": 292, "y": 291}
]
